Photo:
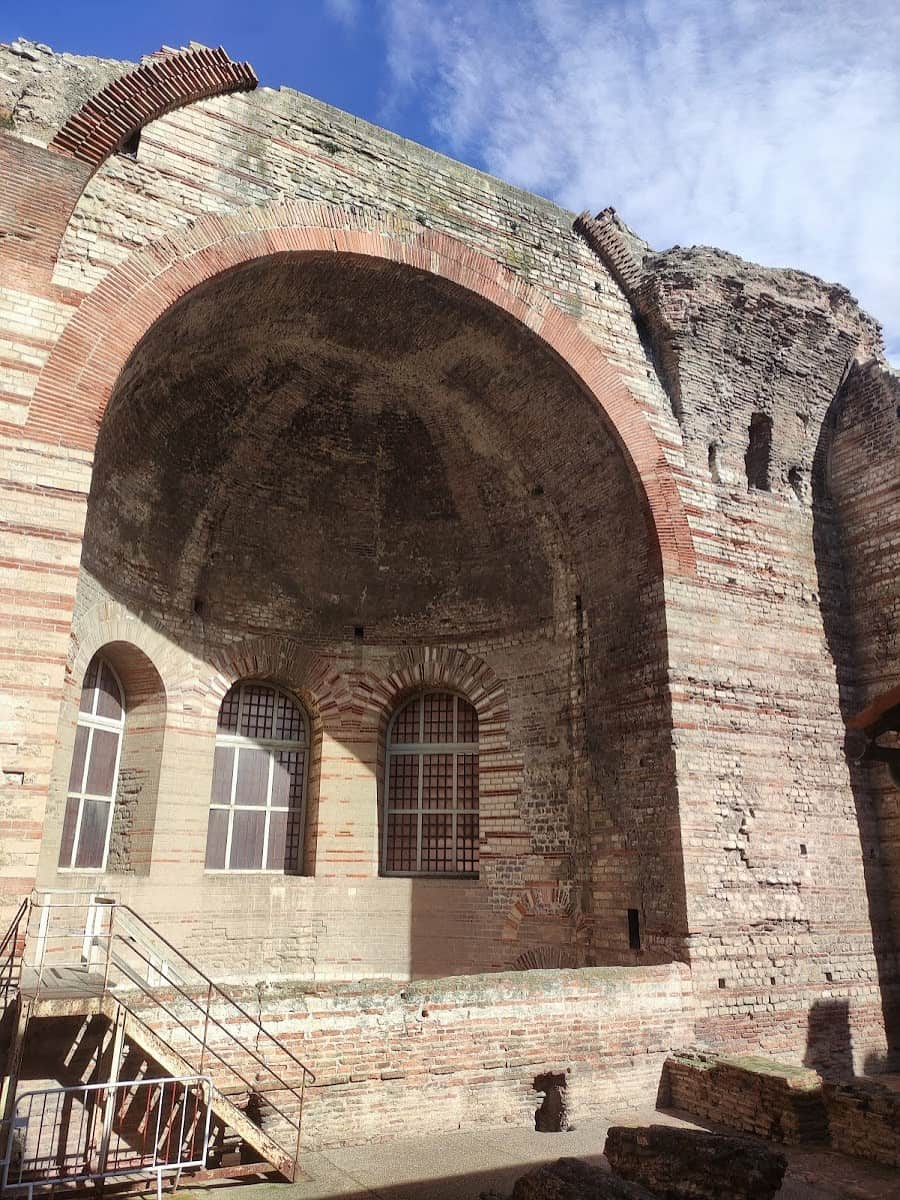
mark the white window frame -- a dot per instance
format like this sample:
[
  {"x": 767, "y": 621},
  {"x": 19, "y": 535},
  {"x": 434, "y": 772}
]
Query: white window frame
[
  {"x": 92, "y": 721},
  {"x": 274, "y": 745},
  {"x": 422, "y": 748}
]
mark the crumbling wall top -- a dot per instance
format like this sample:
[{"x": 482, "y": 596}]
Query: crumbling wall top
[
  {"x": 40, "y": 89},
  {"x": 86, "y": 108},
  {"x": 737, "y": 344}
]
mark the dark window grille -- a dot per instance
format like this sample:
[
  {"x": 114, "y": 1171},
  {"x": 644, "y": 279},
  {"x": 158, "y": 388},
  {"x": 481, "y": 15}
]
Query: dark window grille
[
  {"x": 256, "y": 813},
  {"x": 431, "y": 788}
]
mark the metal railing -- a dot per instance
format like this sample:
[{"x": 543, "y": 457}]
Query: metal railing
[
  {"x": 65, "y": 932},
  {"x": 98, "y": 1131},
  {"x": 11, "y": 950},
  {"x": 90, "y": 940}
]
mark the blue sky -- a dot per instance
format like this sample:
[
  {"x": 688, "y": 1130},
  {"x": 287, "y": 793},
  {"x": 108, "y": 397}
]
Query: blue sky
[{"x": 767, "y": 127}]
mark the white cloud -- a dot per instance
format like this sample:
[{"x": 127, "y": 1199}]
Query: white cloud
[
  {"x": 767, "y": 127},
  {"x": 345, "y": 12}
]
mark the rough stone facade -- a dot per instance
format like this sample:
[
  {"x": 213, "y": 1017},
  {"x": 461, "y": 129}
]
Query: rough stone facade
[
  {"x": 768, "y": 1099},
  {"x": 675, "y": 1163},
  {"x": 574, "y": 1179},
  {"x": 791, "y": 1105},
  {"x": 286, "y": 397}
]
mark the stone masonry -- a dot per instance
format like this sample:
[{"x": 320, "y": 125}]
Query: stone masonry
[{"x": 286, "y": 397}]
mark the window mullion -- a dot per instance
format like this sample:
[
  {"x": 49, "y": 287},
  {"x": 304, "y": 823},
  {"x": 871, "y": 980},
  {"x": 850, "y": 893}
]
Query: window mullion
[
  {"x": 233, "y": 800},
  {"x": 387, "y": 804},
  {"x": 453, "y": 819},
  {"x": 268, "y": 812},
  {"x": 419, "y": 815},
  {"x": 77, "y": 834},
  {"x": 113, "y": 724},
  {"x": 87, "y": 760},
  {"x": 240, "y": 711},
  {"x": 81, "y": 791}
]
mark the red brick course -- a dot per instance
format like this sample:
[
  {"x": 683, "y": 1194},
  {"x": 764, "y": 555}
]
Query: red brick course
[{"x": 162, "y": 83}]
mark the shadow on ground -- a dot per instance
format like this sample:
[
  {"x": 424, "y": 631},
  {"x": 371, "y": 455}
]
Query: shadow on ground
[{"x": 463, "y": 1164}]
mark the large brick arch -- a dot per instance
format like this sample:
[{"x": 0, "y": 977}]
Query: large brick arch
[{"x": 81, "y": 373}]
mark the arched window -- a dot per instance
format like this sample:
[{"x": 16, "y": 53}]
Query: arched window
[
  {"x": 94, "y": 774},
  {"x": 256, "y": 812},
  {"x": 431, "y": 788}
]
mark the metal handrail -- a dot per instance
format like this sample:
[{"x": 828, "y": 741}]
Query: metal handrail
[
  {"x": 8, "y": 950},
  {"x": 206, "y": 1048},
  {"x": 215, "y": 988},
  {"x": 139, "y": 942},
  {"x": 13, "y": 1177}
]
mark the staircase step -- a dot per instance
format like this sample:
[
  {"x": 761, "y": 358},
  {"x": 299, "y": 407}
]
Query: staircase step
[{"x": 172, "y": 1062}]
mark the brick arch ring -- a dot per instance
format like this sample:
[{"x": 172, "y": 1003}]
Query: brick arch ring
[
  {"x": 376, "y": 699},
  {"x": 500, "y": 769},
  {"x": 81, "y": 373},
  {"x": 283, "y": 661},
  {"x": 109, "y": 623}
]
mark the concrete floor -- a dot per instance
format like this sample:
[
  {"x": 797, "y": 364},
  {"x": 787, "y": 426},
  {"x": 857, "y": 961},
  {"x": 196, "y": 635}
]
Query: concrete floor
[{"x": 463, "y": 1164}]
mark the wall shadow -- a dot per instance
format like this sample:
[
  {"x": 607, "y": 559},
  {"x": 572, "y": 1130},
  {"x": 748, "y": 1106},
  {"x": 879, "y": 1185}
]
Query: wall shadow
[
  {"x": 829, "y": 1042},
  {"x": 842, "y": 620}
]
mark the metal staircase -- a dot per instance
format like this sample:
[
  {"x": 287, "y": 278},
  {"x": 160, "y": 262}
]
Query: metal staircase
[{"x": 88, "y": 955}]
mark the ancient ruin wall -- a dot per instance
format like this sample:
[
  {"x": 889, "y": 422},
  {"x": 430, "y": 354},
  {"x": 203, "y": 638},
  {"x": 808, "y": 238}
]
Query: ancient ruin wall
[
  {"x": 787, "y": 848},
  {"x": 442, "y": 1055},
  {"x": 859, "y": 483},
  {"x": 776, "y": 886},
  {"x": 178, "y": 180}
]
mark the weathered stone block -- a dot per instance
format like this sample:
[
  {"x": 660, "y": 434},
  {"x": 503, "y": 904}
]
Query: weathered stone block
[
  {"x": 680, "y": 1163},
  {"x": 573, "y": 1179},
  {"x": 864, "y": 1119},
  {"x": 754, "y": 1095}
]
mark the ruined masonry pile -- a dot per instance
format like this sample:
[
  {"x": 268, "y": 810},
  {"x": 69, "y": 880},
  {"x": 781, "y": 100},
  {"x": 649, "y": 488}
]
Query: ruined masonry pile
[
  {"x": 755, "y": 1095},
  {"x": 677, "y": 1164}
]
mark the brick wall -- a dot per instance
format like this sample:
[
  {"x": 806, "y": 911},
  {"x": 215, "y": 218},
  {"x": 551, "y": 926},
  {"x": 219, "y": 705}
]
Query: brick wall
[
  {"x": 464, "y": 1053},
  {"x": 686, "y": 757},
  {"x": 864, "y": 1119},
  {"x": 791, "y": 1105},
  {"x": 859, "y": 484},
  {"x": 754, "y": 1095},
  {"x": 785, "y": 845}
]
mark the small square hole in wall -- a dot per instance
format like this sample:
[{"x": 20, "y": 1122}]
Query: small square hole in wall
[
  {"x": 772, "y": 980},
  {"x": 802, "y": 850},
  {"x": 721, "y": 983},
  {"x": 829, "y": 977},
  {"x": 359, "y": 632}
]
